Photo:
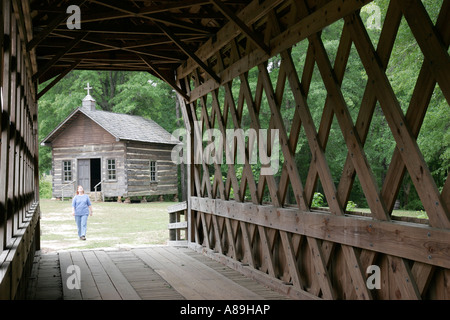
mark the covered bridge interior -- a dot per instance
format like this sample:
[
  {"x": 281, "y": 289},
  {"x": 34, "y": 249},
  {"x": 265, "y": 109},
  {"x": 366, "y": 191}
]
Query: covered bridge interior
[{"x": 201, "y": 48}]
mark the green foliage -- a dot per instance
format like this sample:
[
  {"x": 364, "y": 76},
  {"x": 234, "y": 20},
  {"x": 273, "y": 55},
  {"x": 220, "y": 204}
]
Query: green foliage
[
  {"x": 350, "y": 206},
  {"x": 318, "y": 200},
  {"x": 45, "y": 188}
]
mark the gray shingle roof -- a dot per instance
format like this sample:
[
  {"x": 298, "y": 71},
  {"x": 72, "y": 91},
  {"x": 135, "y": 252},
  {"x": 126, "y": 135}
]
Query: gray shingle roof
[
  {"x": 121, "y": 126},
  {"x": 129, "y": 127}
]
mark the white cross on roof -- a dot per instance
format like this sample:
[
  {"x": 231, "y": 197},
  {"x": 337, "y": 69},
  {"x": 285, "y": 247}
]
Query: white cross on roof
[{"x": 88, "y": 88}]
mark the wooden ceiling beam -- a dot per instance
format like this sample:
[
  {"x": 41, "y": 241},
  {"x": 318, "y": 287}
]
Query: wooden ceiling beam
[
  {"x": 189, "y": 26},
  {"x": 250, "y": 14},
  {"x": 183, "y": 4},
  {"x": 50, "y": 27},
  {"x": 44, "y": 33},
  {"x": 162, "y": 76},
  {"x": 59, "y": 55},
  {"x": 188, "y": 51},
  {"x": 114, "y": 15},
  {"x": 153, "y": 18},
  {"x": 252, "y": 36},
  {"x": 57, "y": 79},
  {"x": 114, "y": 47},
  {"x": 88, "y": 49}
]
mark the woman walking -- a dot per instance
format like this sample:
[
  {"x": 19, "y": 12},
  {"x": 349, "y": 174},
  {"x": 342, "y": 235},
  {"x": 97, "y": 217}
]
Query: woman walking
[{"x": 81, "y": 209}]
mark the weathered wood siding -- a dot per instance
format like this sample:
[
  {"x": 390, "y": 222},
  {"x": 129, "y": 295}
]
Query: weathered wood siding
[
  {"x": 110, "y": 188},
  {"x": 138, "y": 160},
  {"x": 84, "y": 139},
  {"x": 83, "y": 131}
]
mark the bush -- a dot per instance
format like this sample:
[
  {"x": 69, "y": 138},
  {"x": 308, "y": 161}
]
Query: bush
[
  {"x": 350, "y": 206},
  {"x": 415, "y": 204},
  {"x": 317, "y": 200},
  {"x": 45, "y": 188}
]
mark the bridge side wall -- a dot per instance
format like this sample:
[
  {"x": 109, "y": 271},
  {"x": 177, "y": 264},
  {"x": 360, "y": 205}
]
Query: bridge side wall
[
  {"x": 19, "y": 187},
  {"x": 252, "y": 222}
]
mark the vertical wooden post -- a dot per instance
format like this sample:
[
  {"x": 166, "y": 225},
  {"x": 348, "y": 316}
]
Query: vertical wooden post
[
  {"x": 5, "y": 121},
  {"x": 188, "y": 124},
  {"x": 11, "y": 213}
]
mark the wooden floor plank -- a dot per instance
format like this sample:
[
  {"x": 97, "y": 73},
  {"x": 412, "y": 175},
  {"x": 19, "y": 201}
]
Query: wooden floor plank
[
  {"x": 102, "y": 280},
  {"x": 171, "y": 275},
  {"x": 147, "y": 283},
  {"x": 65, "y": 260},
  {"x": 160, "y": 272},
  {"x": 89, "y": 290},
  {"x": 236, "y": 276},
  {"x": 191, "y": 278},
  {"x": 45, "y": 282},
  {"x": 123, "y": 287}
]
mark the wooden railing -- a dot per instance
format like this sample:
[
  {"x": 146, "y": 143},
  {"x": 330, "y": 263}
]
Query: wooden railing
[
  {"x": 176, "y": 226},
  {"x": 16, "y": 259},
  {"x": 95, "y": 190}
]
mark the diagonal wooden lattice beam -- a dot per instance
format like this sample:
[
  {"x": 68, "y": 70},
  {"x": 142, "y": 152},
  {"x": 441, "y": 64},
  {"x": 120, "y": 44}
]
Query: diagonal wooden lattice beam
[
  {"x": 327, "y": 112},
  {"x": 241, "y": 25},
  {"x": 368, "y": 102},
  {"x": 59, "y": 55},
  {"x": 431, "y": 44},
  {"x": 171, "y": 35},
  {"x": 403, "y": 278},
  {"x": 59, "y": 77},
  {"x": 230, "y": 106},
  {"x": 322, "y": 274},
  {"x": 190, "y": 114},
  {"x": 237, "y": 125},
  {"x": 222, "y": 127},
  {"x": 246, "y": 237},
  {"x": 164, "y": 77},
  {"x": 209, "y": 125},
  {"x": 425, "y": 85},
  {"x": 349, "y": 132},
  {"x": 253, "y": 112},
  {"x": 286, "y": 240},
  {"x": 357, "y": 273},
  {"x": 317, "y": 151},
  {"x": 412, "y": 157},
  {"x": 284, "y": 141}
]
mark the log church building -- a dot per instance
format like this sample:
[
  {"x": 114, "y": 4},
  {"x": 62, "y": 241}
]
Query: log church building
[{"x": 119, "y": 155}]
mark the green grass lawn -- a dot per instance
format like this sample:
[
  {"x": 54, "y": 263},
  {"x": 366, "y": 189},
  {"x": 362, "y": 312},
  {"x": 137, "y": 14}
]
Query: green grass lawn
[
  {"x": 399, "y": 213},
  {"x": 117, "y": 225},
  {"x": 112, "y": 225}
]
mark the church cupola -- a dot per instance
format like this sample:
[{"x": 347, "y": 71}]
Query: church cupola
[{"x": 88, "y": 101}]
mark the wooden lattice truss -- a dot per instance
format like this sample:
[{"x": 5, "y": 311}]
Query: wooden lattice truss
[{"x": 309, "y": 253}]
